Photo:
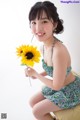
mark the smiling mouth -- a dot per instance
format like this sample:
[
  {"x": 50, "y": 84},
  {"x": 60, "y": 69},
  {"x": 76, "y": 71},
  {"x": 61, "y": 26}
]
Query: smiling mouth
[{"x": 40, "y": 34}]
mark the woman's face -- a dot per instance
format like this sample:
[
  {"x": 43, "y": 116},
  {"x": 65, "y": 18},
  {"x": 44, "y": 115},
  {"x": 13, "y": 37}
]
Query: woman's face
[{"x": 42, "y": 28}]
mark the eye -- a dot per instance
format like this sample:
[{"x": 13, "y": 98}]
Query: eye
[
  {"x": 45, "y": 21},
  {"x": 33, "y": 22}
]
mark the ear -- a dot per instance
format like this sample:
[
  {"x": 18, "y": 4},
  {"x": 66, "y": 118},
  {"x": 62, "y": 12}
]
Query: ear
[{"x": 55, "y": 25}]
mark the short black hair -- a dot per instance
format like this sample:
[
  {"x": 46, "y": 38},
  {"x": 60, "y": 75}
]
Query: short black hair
[{"x": 51, "y": 12}]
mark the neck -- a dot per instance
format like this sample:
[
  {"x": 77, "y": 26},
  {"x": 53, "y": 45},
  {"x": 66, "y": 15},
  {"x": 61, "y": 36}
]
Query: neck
[{"x": 49, "y": 42}]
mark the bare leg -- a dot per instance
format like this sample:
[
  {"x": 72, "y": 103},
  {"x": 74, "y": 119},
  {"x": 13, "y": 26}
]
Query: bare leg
[
  {"x": 36, "y": 99},
  {"x": 42, "y": 109}
]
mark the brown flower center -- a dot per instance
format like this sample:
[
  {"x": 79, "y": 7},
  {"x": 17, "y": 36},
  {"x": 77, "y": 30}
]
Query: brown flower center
[
  {"x": 21, "y": 51},
  {"x": 29, "y": 55}
]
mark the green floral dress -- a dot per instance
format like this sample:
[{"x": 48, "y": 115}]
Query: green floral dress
[{"x": 68, "y": 96}]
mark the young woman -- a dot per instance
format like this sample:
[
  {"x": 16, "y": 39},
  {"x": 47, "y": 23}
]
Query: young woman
[{"x": 63, "y": 90}]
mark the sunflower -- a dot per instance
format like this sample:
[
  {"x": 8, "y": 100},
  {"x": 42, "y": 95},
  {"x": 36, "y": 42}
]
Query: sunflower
[
  {"x": 29, "y": 54},
  {"x": 19, "y": 50}
]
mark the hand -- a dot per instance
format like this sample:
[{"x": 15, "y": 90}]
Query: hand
[
  {"x": 30, "y": 72},
  {"x": 33, "y": 77}
]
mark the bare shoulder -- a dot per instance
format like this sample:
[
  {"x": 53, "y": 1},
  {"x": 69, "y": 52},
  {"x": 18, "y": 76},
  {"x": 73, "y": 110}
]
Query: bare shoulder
[
  {"x": 61, "y": 51},
  {"x": 60, "y": 48}
]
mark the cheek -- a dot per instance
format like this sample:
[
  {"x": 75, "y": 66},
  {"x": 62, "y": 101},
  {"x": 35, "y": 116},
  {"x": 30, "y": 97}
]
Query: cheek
[
  {"x": 33, "y": 30},
  {"x": 46, "y": 27},
  {"x": 49, "y": 29}
]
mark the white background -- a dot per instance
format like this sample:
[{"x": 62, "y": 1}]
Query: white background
[{"x": 15, "y": 90}]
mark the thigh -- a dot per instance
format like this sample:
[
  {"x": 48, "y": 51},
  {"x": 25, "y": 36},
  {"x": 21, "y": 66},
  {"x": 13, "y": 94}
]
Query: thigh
[
  {"x": 44, "y": 107},
  {"x": 36, "y": 98}
]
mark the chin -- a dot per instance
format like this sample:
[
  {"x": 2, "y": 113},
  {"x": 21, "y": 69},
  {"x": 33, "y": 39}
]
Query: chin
[{"x": 39, "y": 39}]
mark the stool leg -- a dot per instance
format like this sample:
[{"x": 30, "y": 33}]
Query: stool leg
[{"x": 55, "y": 118}]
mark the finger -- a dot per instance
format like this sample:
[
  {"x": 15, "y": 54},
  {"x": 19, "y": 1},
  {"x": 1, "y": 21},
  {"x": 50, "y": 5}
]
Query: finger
[
  {"x": 28, "y": 68},
  {"x": 26, "y": 73}
]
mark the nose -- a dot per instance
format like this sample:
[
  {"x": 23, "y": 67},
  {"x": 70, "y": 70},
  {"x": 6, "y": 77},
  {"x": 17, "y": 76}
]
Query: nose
[{"x": 39, "y": 27}]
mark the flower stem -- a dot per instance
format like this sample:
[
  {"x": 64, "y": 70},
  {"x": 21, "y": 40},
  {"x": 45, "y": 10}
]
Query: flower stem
[{"x": 30, "y": 81}]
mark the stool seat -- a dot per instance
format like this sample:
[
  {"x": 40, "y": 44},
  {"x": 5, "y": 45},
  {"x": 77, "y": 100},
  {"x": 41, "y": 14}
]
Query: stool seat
[{"x": 69, "y": 114}]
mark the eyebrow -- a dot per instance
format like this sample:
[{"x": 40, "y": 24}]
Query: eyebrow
[{"x": 44, "y": 18}]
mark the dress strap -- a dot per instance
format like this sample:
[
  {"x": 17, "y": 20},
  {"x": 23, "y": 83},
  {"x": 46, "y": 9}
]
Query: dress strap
[
  {"x": 53, "y": 44},
  {"x": 52, "y": 49},
  {"x": 43, "y": 51}
]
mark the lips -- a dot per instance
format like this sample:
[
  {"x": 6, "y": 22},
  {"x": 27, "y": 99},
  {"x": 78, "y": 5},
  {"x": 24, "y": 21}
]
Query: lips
[{"x": 40, "y": 34}]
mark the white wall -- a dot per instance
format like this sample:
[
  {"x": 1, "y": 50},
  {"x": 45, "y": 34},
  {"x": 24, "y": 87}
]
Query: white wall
[{"x": 15, "y": 89}]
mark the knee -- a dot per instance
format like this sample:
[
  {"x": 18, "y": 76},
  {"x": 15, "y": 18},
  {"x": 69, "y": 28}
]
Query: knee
[
  {"x": 31, "y": 102},
  {"x": 37, "y": 112}
]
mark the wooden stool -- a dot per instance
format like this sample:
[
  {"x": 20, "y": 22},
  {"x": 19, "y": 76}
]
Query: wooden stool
[{"x": 68, "y": 114}]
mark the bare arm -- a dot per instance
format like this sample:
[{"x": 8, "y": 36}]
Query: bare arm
[
  {"x": 42, "y": 73},
  {"x": 60, "y": 59},
  {"x": 46, "y": 81}
]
